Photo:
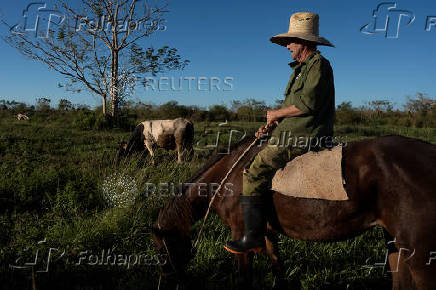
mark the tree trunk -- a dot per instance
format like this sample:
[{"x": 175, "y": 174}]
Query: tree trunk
[
  {"x": 104, "y": 105},
  {"x": 114, "y": 84}
]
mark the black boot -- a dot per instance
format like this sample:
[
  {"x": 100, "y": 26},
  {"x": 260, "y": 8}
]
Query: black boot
[{"x": 254, "y": 226}]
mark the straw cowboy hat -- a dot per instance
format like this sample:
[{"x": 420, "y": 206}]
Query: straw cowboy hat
[{"x": 302, "y": 25}]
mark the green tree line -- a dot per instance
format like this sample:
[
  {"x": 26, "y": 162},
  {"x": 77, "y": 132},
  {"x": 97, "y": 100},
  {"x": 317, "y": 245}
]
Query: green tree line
[{"x": 418, "y": 111}]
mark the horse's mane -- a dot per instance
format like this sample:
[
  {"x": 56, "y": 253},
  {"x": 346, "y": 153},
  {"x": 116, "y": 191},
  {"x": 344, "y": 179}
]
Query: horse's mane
[{"x": 217, "y": 157}]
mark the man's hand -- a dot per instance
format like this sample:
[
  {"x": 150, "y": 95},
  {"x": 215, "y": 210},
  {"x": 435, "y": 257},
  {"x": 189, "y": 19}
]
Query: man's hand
[
  {"x": 275, "y": 115},
  {"x": 272, "y": 116},
  {"x": 265, "y": 129},
  {"x": 262, "y": 130}
]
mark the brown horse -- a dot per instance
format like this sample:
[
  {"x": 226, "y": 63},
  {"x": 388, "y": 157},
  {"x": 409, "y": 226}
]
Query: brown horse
[{"x": 390, "y": 181}]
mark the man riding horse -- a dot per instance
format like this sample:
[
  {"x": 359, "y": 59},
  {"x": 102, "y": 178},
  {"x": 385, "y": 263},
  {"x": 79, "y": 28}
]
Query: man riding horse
[{"x": 306, "y": 117}]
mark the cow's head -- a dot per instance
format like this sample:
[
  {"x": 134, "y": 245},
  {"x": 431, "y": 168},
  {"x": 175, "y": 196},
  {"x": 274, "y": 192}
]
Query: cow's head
[{"x": 121, "y": 151}]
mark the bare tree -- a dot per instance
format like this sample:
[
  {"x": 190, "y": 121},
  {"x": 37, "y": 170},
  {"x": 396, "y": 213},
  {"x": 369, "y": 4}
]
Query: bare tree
[
  {"x": 421, "y": 104},
  {"x": 94, "y": 44}
]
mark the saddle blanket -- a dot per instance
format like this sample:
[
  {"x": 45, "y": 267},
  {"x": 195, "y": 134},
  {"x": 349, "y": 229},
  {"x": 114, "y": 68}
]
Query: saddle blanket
[{"x": 313, "y": 175}]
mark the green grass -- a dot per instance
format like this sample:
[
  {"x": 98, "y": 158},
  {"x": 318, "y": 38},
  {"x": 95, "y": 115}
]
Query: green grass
[{"x": 53, "y": 176}]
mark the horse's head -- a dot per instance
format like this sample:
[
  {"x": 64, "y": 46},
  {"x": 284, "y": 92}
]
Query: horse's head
[
  {"x": 172, "y": 241},
  {"x": 174, "y": 247}
]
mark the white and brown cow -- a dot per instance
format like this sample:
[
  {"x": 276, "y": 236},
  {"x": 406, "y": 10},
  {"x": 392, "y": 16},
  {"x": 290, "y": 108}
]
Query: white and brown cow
[
  {"x": 22, "y": 117},
  {"x": 168, "y": 134}
]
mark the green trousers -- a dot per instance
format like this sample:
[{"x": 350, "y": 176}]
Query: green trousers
[{"x": 258, "y": 176}]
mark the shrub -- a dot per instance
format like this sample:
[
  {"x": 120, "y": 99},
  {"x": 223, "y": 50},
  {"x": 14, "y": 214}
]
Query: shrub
[
  {"x": 102, "y": 122},
  {"x": 85, "y": 120}
]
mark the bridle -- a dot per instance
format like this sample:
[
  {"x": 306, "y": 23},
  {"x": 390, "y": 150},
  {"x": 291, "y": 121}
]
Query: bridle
[
  {"x": 167, "y": 251},
  {"x": 174, "y": 272}
]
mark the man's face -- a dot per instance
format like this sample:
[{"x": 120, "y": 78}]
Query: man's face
[{"x": 296, "y": 50}]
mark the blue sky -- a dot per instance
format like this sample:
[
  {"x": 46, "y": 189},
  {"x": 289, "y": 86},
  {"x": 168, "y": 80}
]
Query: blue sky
[{"x": 231, "y": 39}]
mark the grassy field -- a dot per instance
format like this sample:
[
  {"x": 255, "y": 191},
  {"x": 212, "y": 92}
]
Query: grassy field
[{"x": 53, "y": 180}]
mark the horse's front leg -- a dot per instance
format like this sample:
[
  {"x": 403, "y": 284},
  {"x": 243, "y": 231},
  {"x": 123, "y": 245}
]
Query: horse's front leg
[
  {"x": 401, "y": 276},
  {"x": 272, "y": 250},
  {"x": 245, "y": 271}
]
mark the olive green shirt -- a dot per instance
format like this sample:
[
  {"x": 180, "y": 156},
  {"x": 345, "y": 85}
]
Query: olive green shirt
[{"x": 311, "y": 89}]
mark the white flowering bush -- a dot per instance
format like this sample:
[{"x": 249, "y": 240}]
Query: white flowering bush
[{"x": 119, "y": 190}]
